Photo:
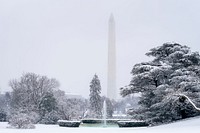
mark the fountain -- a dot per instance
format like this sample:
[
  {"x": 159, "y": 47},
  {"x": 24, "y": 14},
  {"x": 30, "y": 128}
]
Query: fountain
[
  {"x": 104, "y": 113},
  {"x": 103, "y": 122}
]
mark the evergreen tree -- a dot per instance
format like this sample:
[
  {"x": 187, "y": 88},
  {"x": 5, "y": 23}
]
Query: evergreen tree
[
  {"x": 174, "y": 70},
  {"x": 95, "y": 98},
  {"x": 47, "y": 104}
]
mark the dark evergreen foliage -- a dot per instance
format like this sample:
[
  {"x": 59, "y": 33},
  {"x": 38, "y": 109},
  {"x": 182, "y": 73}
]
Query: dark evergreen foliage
[{"x": 173, "y": 70}]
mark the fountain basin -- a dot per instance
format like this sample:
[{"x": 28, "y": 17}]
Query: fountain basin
[
  {"x": 110, "y": 123},
  {"x": 98, "y": 125},
  {"x": 95, "y": 121},
  {"x": 91, "y": 121},
  {"x": 65, "y": 123},
  {"x": 132, "y": 124}
]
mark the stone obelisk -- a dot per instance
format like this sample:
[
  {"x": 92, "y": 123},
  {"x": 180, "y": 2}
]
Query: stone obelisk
[{"x": 111, "y": 83}]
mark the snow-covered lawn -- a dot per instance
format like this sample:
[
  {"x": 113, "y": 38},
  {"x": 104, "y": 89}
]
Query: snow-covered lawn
[{"x": 185, "y": 126}]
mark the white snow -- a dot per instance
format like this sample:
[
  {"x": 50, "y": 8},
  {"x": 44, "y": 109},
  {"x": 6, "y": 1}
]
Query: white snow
[
  {"x": 185, "y": 126},
  {"x": 67, "y": 121}
]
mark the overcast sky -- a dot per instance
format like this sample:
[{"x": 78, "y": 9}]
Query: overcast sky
[{"x": 67, "y": 39}]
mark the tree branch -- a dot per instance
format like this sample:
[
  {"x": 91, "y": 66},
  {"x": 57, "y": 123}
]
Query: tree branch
[{"x": 183, "y": 95}]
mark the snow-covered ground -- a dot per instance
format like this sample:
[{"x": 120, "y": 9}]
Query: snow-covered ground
[{"x": 185, "y": 126}]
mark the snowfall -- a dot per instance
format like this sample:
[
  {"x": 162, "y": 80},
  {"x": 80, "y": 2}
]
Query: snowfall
[{"x": 184, "y": 126}]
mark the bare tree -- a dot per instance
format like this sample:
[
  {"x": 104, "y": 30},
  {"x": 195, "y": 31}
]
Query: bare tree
[{"x": 29, "y": 92}]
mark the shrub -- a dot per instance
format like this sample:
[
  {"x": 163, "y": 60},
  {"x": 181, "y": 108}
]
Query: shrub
[
  {"x": 3, "y": 115},
  {"x": 21, "y": 121},
  {"x": 50, "y": 118},
  {"x": 132, "y": 124},
  {"x": 65, "y": 123}
]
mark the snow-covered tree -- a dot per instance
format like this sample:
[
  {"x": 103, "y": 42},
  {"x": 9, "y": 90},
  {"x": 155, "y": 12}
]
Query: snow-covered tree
[
  {"x": 3, "y": 115},
  {"x": 95, "y": 98},
  {"x": 50, "y": 117},
  {"x": 4, "y": 106},
  {"x": 33, "y": 93},
  {"x": 47, "y": 106},
  {"x": 69, "y": 108},
  {"x": 174, "y": 70}
]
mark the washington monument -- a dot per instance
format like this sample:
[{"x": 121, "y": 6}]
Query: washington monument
[{"x": 111, "y": 83}]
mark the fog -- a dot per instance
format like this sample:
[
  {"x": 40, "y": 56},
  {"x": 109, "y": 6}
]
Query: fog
[{"x": 67, "y": 39}]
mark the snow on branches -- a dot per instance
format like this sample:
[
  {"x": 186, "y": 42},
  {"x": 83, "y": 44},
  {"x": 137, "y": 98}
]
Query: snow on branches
[
  {"x": 174, "y": 69},
  {"x": 95, "y": 98}
]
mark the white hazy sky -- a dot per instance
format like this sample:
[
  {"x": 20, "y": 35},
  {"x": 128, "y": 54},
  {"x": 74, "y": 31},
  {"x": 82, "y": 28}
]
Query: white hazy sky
[{"x": 67, "y": 39}]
